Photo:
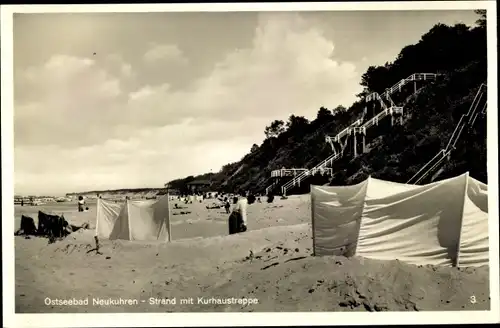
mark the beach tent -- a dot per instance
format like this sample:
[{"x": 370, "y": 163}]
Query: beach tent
[
  {"x": 134, "y": 219},
  {"x": 443, "y": 223}
]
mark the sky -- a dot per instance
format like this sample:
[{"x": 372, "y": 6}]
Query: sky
[{"x": 130, "y": 100}]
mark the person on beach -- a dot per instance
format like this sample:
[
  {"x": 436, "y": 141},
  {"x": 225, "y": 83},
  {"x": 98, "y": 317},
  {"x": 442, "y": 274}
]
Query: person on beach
[
  {"x": 227, "y": 206},
  {"x": 237, "y": 221},
  {"x": 81, "y": 202}
]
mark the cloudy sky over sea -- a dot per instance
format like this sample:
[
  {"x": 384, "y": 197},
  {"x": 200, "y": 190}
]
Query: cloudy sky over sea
[{"x": 123, "y": 100}]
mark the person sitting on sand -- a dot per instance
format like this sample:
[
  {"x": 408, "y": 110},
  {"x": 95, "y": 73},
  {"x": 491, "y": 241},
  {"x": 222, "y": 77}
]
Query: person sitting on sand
[
  {"x": 81, "y": 202},
  {"x": 213, "y": 206},
  {"x": 238, "y": 219}
]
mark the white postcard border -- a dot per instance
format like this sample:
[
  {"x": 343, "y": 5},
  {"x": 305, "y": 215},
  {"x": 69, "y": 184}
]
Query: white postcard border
[{"x": 240, "y": 319}]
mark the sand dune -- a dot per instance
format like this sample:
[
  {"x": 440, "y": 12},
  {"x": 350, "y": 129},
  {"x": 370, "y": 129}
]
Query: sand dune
[{"x": 271, "y": 262}]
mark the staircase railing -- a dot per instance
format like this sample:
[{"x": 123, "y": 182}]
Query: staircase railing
[
  {"x": 466, "y": 119},
  {"x": 386, "y": 111},
  {"x": 397, "y": 87},
  {"x": 441, "y": 158},
  {"x": 374, "y": 120},
  {"x": 412, "y": 78},
  {"x": 386, "y": 94},
  {"x": 322, "y": 170},
  {"x": 423, "y": 171},
  {"x": 330, "y": 159},
  {"x": 483, "y": 111},
  {"x": 344, "y": 132},
  {"x": 271, "y": 186},
  {"x": 286, "y": 172},
  {"x": 282, "y": 173}
]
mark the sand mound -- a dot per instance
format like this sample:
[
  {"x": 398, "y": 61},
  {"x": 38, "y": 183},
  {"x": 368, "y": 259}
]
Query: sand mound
[{"x": 293, "y": 281}]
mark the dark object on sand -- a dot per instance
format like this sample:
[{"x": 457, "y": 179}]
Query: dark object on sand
[
  {"x": 270, "y": 198},
  {"x": 235, "y": 223},
  {"x": 251, "y": 199},
  {"x": 97, "y": 246},
  {"x": 52, "y": 226},
  {"x": 28, "y": 226},
  {"x": 270, "y": 265}
]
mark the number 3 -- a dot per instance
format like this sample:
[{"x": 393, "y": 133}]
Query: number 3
[{"x": 473, "y": 299}]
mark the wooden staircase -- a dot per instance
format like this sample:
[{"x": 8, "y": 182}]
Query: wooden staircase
[
  {"x": 466, "y": 120},
  {"x": 358, "y": 128}
]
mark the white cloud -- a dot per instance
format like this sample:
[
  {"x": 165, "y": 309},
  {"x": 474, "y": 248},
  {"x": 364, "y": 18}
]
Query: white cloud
[
  {"x": 122, "y": 67},
  {"x": 75, "y": 96},
  {"x": 289, "y": 69},
  {"x": 149, "y": 158},
  {"x": 165, "y": 52},
  {"x": 126, "y": 69},
  {"x": 161, "y": 133}
]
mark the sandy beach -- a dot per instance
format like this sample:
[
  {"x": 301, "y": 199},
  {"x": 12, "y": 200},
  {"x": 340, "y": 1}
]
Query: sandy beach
[{"x": 270, "y": 264}]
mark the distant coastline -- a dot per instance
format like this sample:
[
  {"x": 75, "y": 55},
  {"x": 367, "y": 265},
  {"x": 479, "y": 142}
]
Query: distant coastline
[{"x": 141, "y": 192}]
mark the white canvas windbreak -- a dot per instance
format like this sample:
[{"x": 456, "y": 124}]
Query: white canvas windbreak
[
  {"x": 134, "y": 220},
  {"x": 107, "y": 213},
  {"x": 474, "y": 238},
  {"x": 443, "y": 223}
]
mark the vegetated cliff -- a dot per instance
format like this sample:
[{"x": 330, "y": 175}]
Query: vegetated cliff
[
  {"x": 457, "y": 52},
  {"x": 430, "y": 120}
]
